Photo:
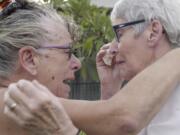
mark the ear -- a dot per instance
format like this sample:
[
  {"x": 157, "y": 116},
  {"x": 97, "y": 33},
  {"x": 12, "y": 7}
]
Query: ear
[
  {"x": 28, "y": 59},
  {"x": 155, "y": 33}
]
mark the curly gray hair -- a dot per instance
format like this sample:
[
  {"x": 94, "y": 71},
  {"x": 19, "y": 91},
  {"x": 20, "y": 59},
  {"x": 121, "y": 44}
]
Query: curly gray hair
[{"x": 27, "y": 26}]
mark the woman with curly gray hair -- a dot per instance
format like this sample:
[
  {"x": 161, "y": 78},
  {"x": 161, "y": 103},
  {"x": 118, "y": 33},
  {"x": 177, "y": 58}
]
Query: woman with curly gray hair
[{"x": 35, "y": 44}]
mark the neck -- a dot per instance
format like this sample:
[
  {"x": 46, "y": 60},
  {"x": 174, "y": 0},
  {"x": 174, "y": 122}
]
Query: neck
[
  {"x": 4, "y": 82},
  {"x": 161, "y": 49}
]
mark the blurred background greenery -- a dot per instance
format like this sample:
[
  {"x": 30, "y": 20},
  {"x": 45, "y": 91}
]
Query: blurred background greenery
[{"x": 95, "y": 25}]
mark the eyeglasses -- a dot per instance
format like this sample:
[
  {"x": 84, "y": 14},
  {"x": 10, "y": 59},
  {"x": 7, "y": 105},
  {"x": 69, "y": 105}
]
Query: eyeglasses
[
  {"x": 120, "y": 26},
  {"x": 7, "y": 7},
  {"x": 68, "y": 47}
]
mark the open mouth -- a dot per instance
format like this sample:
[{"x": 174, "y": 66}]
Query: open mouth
[{"x": 67, "y": 82}]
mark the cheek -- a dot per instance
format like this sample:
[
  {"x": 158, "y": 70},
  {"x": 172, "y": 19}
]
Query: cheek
[
  {"x": 58, "y": 70},
  {"x": 51, "y": 77},
  {"x": 57, "y": 75},
  {"x": 130, "y": 68},
  {"x": 137, "y": 63},
  {"x": 127, "y": 72},
  {"x": 54, "y": 84}
]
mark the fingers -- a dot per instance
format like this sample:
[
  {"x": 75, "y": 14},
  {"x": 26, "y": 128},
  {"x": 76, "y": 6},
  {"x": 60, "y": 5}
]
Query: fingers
[
  {"x": 23, "y": 94},
  {"x": 40, "y": 86},
  {"x": 109, "y": 45},
  {"x": 105, "y": 47},
  {"x": 16, "y": 95},
  {"x": 36, "y": 108},
  {"x": 22, "y": 105},
  {"x": 102, "y": 52},
  {"x": 37, "y": 84},
  {"x": 27, "y": 88},
  {"x": 107, "y": 54},
  {"x": 8, "y": 112},
  {"x": 8, "y": 101},
  {"x": 18, "y": 112}
]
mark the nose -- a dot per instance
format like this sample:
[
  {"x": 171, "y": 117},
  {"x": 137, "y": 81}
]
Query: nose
[
  {"x": 113, "y": 49},
  {"x": 76, "y": 63}
]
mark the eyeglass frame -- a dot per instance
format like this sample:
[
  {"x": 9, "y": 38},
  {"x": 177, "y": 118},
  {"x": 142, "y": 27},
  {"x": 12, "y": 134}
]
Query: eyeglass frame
[
  {"x": 65, "y": 46},
  {"x": 12, "y": 5},
  {"x": 120, "y": 26}
]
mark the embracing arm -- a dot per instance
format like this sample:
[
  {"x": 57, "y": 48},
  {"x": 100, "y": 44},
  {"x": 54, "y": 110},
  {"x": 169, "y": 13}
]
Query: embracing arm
[
  {"x": 134, "y": 106},
  {"x": 126, "y": 113}
]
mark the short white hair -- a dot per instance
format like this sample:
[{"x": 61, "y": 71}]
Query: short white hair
[{"x": 166, "y": 11}]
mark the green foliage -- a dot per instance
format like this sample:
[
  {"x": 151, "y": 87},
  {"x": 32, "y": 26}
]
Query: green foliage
[
  {"x": 96, "y": 28},
  {"x": 82, "y": 133}
]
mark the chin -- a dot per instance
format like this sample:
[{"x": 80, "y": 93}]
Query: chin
[{"x": 64, "y": 95}]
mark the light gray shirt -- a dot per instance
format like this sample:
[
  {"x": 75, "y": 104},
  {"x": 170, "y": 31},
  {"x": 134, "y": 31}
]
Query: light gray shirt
[{"x": 167, "y": 121}]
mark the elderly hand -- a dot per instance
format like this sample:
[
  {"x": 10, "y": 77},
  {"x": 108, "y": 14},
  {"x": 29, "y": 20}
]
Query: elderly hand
[
  {"x": 109, "y": 75},
  {"x": 36, "y": 109}
]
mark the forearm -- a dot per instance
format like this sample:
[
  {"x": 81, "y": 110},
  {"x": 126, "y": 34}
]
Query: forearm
[
  {"x": 97, "y": 117},
  {"x": 144, "y": 95},
  {"x": 131, "y": 108},
  {"x": 90, "y": 116}
]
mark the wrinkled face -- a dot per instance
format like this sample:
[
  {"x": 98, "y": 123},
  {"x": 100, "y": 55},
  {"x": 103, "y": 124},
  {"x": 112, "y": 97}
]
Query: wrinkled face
[
  {"x": 134, "y": 54},
  {"x": 56, "y": 66}
]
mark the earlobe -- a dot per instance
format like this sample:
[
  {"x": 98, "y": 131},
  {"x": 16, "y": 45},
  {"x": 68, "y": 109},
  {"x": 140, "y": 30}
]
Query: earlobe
[
  {"x": 155, "y": 34},
  {"x": 27, "y": 60}
]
